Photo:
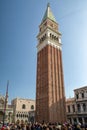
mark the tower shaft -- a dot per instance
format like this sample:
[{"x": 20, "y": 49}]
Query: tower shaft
[{"x": 50, "y": 95}]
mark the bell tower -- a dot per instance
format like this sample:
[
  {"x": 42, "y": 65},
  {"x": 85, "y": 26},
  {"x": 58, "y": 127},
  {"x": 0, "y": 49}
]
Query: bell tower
[{"x": 50, "y": 95}]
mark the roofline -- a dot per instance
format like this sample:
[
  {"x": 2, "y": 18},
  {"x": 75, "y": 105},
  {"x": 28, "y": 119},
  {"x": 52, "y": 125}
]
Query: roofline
[
  {"x": 23, "y": 99},
  {"x": 80, "y": 88}
]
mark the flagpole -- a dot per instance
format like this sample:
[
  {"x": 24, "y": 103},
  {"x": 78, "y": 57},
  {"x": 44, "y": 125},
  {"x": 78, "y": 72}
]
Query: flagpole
[{"x": 5, "y": 104}]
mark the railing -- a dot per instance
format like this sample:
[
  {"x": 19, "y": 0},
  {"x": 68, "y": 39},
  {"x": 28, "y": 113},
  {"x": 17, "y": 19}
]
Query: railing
[
  {"x": 76, "y": 112},
  {"x": 81, "y": 99}
]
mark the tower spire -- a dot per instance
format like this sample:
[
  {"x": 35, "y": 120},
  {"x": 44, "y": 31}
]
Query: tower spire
[
  {"x": 48, "y": 14},
  {"x": 48, "y": 5}
]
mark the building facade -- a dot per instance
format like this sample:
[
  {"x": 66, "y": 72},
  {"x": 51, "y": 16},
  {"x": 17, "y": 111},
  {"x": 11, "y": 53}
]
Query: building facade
[
  {"x": 23, "y": 110},
  {"x": 6, "y": 114},
  {"x": 77, "y": 107},
  {"x": 50, "y": 94}
]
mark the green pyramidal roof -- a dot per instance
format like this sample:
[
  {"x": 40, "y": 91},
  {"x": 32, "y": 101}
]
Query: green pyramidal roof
[{"x": 48, "y": 14}]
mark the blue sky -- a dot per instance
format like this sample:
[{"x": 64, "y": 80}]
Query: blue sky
[{"x": 19, "y": 21}]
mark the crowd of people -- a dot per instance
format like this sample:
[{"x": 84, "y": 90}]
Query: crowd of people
[{"x": 44, "y": 126}]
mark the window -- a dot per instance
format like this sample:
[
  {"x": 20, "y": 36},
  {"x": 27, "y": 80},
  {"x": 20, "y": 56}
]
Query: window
[
  {"x": 78, "y": 108},
  {"x": 73, "y": 107},
  {"x": 21, "y": 115},
  {"x": 17, "y": 115},
  {"x": 23, "y": 106},
  {"x": 50, "y": 35},
  {"x": 84, "y": 107},
  {"x": 77, "y": 96},
  {"x": 69, "y": 109},
  {"x": 82, "y": 95},
  {"x": 32, "y": 106}
]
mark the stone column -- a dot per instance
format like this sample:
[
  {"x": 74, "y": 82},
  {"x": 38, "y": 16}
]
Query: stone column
[
  {"x": 83, "y": 120},
  {"x": 77, "y": 119},
  {"x": 81, "y": 105},
  {"x": 72, "y": 120}
]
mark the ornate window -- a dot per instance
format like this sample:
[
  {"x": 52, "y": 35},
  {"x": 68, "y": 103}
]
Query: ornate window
[
  {"x": 17, "y": 115},
  {"x": 21, "y": 115},
  {"x": 82, "y": 95},
  {"x": 77, "y": 96},
  {"x": 23, "y": 106},
  {"x": 32, "y": 107},
  {"x": 50, "y": 35}
]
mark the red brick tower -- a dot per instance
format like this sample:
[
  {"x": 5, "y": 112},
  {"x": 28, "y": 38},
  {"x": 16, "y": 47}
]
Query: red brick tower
[{"x": 50, "y": 95}]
